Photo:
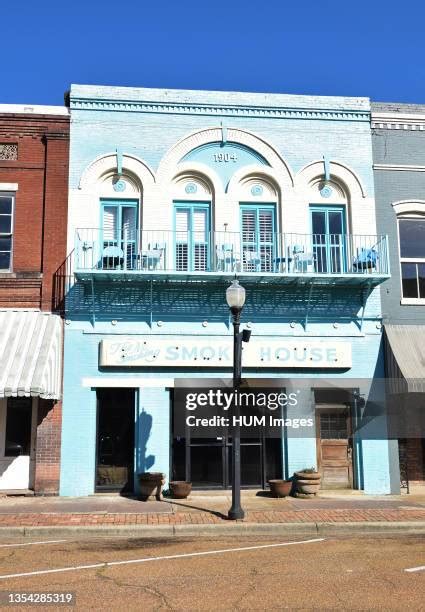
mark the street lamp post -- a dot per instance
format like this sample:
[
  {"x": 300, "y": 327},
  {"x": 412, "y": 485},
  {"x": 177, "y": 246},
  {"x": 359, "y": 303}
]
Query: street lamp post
[{"x": 235, "y": 297}]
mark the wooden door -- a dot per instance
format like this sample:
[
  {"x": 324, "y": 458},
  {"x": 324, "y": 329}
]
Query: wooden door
[{"x": 334, "y": 450}]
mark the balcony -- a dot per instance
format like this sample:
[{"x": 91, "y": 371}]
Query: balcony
[{"x": 253, "y": 256}]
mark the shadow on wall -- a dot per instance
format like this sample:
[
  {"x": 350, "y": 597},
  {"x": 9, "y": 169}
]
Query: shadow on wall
[
  {"x": 144, "y": 427},
  {"x": 180, "y": 301}
]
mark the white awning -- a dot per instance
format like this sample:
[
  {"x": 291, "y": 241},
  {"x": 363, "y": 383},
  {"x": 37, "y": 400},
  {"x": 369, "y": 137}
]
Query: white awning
[
  {"x": 30, "y": 354},
  {"x": 405, "y": 358}
]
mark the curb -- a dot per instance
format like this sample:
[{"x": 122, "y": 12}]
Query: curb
[{"x": 226, "y": 529}]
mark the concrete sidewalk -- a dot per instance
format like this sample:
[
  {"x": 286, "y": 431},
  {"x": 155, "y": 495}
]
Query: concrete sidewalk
[{"x": 207, "y": 513}]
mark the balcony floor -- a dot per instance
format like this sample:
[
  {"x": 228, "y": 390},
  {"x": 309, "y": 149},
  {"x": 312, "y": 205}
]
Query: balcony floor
[{"x": 140, "y": 276}]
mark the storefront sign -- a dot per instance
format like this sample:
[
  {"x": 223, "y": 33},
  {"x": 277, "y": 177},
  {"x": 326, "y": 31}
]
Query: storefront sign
[{"x": 216, "y": 352}]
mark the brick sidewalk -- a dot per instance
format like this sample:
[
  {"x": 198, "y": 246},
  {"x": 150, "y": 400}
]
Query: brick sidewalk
[{"x": 196, "y": 518}]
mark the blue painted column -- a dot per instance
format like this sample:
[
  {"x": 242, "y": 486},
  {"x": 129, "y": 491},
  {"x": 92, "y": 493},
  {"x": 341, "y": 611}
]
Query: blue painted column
[
  {"x": 299, "y": 452},
  {"x": 78, "y": 451},
  {"x": 152, "y": 445},
  {"x": 371, "y": 445}
]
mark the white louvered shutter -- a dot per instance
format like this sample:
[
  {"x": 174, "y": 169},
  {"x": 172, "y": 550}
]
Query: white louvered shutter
[{"x": 110, "y": 224}]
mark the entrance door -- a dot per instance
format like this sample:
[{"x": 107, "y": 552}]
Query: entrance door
[
  {"x": 328, "y": 229},
  {"x": 115, "y": 439},
  {"x": 211, "y": 462},
  {"x": 334, "y": 450},
  {"x": 207, "y": 462},
  {"x": 18, "y": 422}
]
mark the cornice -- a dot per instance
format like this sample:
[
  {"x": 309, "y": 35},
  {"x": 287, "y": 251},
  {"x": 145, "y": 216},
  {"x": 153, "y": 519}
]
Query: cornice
[
  {"x": 398, "y": 121},
  {"x": 56, "y": 135},
  {"x": 218, "y": 110},
  {"x": 20, "y": 131},
  {"x": 399, "y": 167}
]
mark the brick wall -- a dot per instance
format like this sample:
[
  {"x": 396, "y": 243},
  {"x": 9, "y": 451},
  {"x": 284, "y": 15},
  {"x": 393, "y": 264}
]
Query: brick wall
[
  {"x": 47, "y": 464},
  {"x": 415, "y": 461},
  {"x": 39, "y": 246},
  {"x": 41, "y": 173}
]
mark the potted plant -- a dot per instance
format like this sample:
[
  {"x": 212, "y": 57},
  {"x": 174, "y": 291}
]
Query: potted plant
[
  {"x": 151, "y": 484},
  {"x": 180, "y": 489},
  {"x": 280, "y": 488},
  {"x": 307, "y": 481}
]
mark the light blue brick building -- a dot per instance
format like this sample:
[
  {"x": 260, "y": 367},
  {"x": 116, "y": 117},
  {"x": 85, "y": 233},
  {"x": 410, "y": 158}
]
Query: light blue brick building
[{"x": 172, "y": 193}]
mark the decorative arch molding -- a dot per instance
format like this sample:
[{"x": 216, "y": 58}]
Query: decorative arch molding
[
  {"x": 260, "y": 173},
  {"x": 202, "y": 172},
  {"x": 339, "y": 172},
  {"x": 108, "y": 162},
  {"x": 171, "y": 159},
  {"x": 404, "y": 207}
]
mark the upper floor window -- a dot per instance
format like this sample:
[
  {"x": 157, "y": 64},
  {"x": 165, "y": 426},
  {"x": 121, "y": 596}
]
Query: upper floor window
[
  {"x": 412, "y": 257},
  {"x": 6, "y": 229}
]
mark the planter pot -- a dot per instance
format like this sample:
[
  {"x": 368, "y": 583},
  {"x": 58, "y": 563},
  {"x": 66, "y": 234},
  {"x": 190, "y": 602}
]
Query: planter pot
[
  {"x": 308, "y": 475},
  {"x": 280, "y": 488},
  {"x": 308, "y": 487},
  {"x": 180, "y": 489},
  {"x": 307, "y": 483},
  {"x": 151, "y": 484}
]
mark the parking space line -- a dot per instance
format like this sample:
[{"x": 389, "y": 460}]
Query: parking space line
[
  {"x": 162, "y": 558},
  {"x": 31, "y": 543},
  {"x": 420, "y": 568}
]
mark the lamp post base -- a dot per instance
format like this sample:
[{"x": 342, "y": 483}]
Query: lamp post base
[{"x": 235, "y": 513}]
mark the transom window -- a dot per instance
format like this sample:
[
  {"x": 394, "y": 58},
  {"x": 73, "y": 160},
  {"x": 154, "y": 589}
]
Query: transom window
[
  {"x": 412, "y": 257},
  {"x": 6, "y": 230}
]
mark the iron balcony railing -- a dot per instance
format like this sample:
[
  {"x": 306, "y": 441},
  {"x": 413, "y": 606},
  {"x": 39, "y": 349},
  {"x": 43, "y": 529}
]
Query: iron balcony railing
[{"x": 248, "y": 252}]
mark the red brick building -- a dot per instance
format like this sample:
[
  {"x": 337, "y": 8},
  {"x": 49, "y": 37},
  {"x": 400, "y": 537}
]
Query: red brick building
[{"x": 34, "y": 149}]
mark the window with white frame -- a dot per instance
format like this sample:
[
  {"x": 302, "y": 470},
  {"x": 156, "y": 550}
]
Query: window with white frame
[
  {"x": 412, "y": 256},
  {"x": 6, "y": 230}
]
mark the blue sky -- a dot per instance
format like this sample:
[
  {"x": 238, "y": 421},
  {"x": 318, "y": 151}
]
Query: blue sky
[{"x": 327, "y": 47}]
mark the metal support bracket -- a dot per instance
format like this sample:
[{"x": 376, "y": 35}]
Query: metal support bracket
[
  {"x": 93, "y": 303},
  {"x": 366, "y": 294},
  {"x": 310, "y": 293},
  {"x": 151, "y": 304}
]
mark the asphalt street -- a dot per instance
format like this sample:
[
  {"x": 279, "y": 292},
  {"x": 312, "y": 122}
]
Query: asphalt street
[{"x": 219, "y": 574}]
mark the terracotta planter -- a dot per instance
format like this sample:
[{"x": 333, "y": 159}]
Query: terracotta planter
[
  {"x": 307, "y": 483},
  {"x": 308, "y": 475},
  {"x": 280, "y": 488},
  {"x": 180, "y": 489},
  {"x": 308, "y": 487},
  {"x": 151, "y": 484}
]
